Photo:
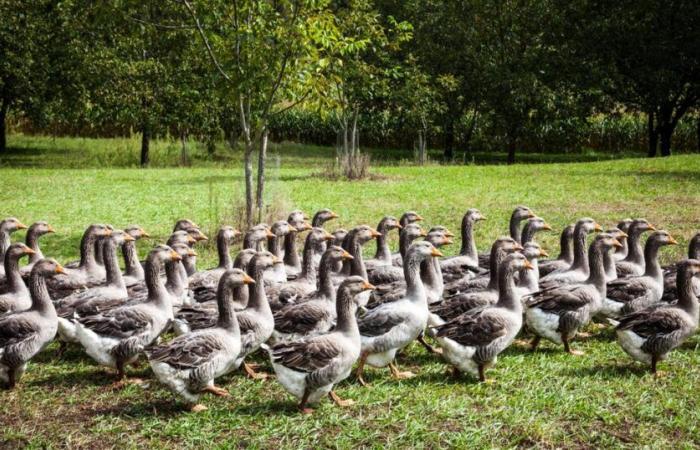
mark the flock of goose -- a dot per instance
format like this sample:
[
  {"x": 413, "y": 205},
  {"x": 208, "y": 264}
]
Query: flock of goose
[{"x": 321, "y": 313}]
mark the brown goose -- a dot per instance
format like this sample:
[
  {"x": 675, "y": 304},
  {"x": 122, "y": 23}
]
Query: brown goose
[
  {"x": 670, "y": 272},
  {"x": 320, "y": 218},
  {"x": 15, "y": 295},
  {"x": 610, "y": 257},
  {"x": 316, "y": 313},
  {"x": 566, "y": 253},
  {"x": 23, "y": 334},
  {"x": 475, "y": 295},
  {"x": 631, "y": 294},
  {"x": 292, "y": 262},
  {"x": 457, "y": 266},
  {"x": 210, "y": 277},
  {"x": 624, "y": 226},
  {"x": 578, "y": 271},
  {"x": 133, "y": 270},
  {"x": 338, "y": 238},
  {"x": 356, "y": 238},
  {"x": 7, "y": 227},
  {"x": 533, "y": 226},
  {"x": 389, "y": 274},
  {"x": 558, "y": 313},
  {"x": 650, "y": 334},
  {"x": 383, "y": 256},
  {"x": 519, "y": 214},
  {"x": 88, "y": 273},
  {"x": 35, "y": 231},
  {"x": 633, "y": 264}
]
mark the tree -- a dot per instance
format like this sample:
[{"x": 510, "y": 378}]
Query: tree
[
  {"x": 649, "y": 53},
  {"x": 272, "y": 55}
]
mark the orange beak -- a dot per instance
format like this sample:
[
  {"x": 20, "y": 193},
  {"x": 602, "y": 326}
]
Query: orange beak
[
  {"x": 50, "y": 229},
  {"x": 29, "y": 251},
  {"x": 597, "y": 227},
  {"x": 191, "y": 252},
  {"x": 528, "y": 265},
  {"x": 616, "y": 243},
  {"x": 129, "y": 238},
  {"x": 399, "y": 227},
  {"x": 275, "y": 260},
  {"x": 672, "y": 241},
  {"x": 21, "y": 226},
  {"x": 368, "y": 286},
  {"x": 418, "y": 218},
  {"x": 190, "y": 239},
  {"x": 60, "y": 269},
  {"x": 108, "y": 232},
  {"x": 347, "y": 256},
  {"x": 447, "y": 241},
  {"x": 144, "y": 234},
  {"x": 247, "y": 279},
  {"x": 175, "y": 256},
  {"x": 202, "y": 237},
  {"x": 518, "y": 247},
  {"x": 547, "y": 227},
  {"x": 375, "y": 233},
  {"x": 652, "y": 227},
  {"x": 543, "y": 253},
  {"x": 334, "y": 215},
  {"x": 435, "y": 252},
  {"x": 269, "y": 234},
  {"x": 530, "y": 215}
]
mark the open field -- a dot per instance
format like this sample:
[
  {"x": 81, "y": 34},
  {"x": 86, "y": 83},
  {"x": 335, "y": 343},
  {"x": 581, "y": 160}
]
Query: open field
[{"x": 545, "y": 399}]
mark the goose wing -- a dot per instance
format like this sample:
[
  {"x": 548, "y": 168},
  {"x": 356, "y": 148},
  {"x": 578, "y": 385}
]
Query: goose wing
[
  {"x": 301, "y": 318},
  {"x": 663, "y": 327},
  {"x": 188, "y": 351},
  {"x": 560, "y": 300},
  {"x": 307, "y": 355},
  {"x": 476, "y": 328},
  {"x": 380, "y": 321},
  {"x": 16, "y": 329},
  {"x": 627, "y": 289},
  {"x": 118, "y": 323}
]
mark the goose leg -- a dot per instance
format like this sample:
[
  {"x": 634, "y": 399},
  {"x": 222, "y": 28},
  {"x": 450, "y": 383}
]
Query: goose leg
[
  {"x": 360, "y": 369},
  {"x": 198, "y": 408},
  {"x": 654, "y": 361},
  {"x": 302, "y": 405},
  {"x": 535, "y": 342},
  {"x": 424, "y": 343},
  {"x": 567, "y": 347},
  {"x": 339, "y": 401},
  {"x": 398, "y": 374},
  {"x": 11, "y": 378},
  {"x": 253, "y": 374},
  {"x": 219, "y": 392}
]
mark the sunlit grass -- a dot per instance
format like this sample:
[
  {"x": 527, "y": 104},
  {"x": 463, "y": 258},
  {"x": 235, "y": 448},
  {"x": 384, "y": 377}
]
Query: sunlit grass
[{"x": 545, "y": 399}]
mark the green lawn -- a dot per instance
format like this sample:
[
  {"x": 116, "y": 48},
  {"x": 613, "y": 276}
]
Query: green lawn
[{"x": 544, "y": 399}]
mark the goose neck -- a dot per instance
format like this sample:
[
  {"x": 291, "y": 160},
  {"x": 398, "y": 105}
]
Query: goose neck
[
  {"x": 514, "y": 227},
  {"x": 411, "y": 272},
  {"x": 131, "y": 260},
  {"x": 157, "y": 292},
  {"x": 651, "y": 258},
  {"x": 291, "y": 257},
  {"x": 111, "y": 259},
  {"x": 325, "y": 282},
  {"x": 687, "y": 300},
  {"x": 596, "y": 275},
  {"x": 507, "y": 297},
  {"x": 580, "y": 255},
  {"x": 224, "y": 302},
  {"x": 346, "y": 321},
  {"x": 468, "y": 244},
  {"x": 383, "y": 250},
  {"x": 40, "y": 294},
  {"x": 222, "y": 248},
  {"x": 635, "y": 252},
  {"x": 308, "y": 268},
  {"x": 14, "y": 277},
  {"x": 33, "y": 243}
]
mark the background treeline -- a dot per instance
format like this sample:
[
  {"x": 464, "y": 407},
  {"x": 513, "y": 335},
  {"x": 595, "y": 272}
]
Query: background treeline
[{"x": 462, "y": 76}]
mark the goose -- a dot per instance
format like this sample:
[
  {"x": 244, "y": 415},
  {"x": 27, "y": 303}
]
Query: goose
[
  {"x": 133, "y": 270},
  {"x": 320, "y": 218},
  {"x": 533, "y": 226},
  {"x": 190, "y": 264},
  {"x": 283, "y": 294},
  {"x": 34, "y": 232},
  {"x": 383, "y": 256},
  {"x": 189, "y": 364},
  {"x": 208, "y": 294},
  {"x": 430, "y": 273},
  {"x": 406, "y": 219},
  {"x": 650, "y": 334},
  {"x": 15, "y": 296},
  {"x": 180, "y": 237},
  {"x": 633, "y": 264},
  {"x": 389, "y": 274},
  {"x": 205, "y": 312},
  {"x": 624, "y": 226},
  {"x": 630, "y": 294},
  {"x": 7, "y": 227},
  {"x": 557, "y": 313},
  {"x": 256, "y": 320},
  {"x": 528, "y": 279},
  {"x": 99, "y": 251},
  {"x": 670, "y": 292},
  {"x": 116, "y": 337},
  {"x": 485, "y": 279},
  {"x": 338, "y": 238},
  {"x": 478, "y": 294},
  {"x": 353, "y": 242},
  {"x": 210, "y": 277},
  {"x": 392, "y": 326},
  {"x": 113, "y": 290},
  {"x": 566, "y": 253},
  {"x": 256, "y": 237},
  {"x": 519, "y": 214},
  {"x": 315, "y": 313},
  {"x": 292, "y": 263},
  {"x": 473, "y": 340},
  {"x": 610, "y": 257},
  {"x": 578, "y": 271},
  {"x": 88, "y": 273},
  {"x": 309, "y": 368},
  {"x": 279, "y": 229},
  {"x": 23, "y": 334},
  {"x": 454, "y": 267}
]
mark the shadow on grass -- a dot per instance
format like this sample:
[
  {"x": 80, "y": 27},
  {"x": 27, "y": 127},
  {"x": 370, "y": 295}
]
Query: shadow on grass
[{"x": 610, "y": 371}]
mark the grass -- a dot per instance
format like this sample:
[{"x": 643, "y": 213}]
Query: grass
[{"x": 544, "y": 399}]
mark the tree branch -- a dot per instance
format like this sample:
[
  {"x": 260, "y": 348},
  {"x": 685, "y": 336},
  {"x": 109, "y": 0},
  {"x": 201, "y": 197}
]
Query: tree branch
[{"x": 206, "y": 41}]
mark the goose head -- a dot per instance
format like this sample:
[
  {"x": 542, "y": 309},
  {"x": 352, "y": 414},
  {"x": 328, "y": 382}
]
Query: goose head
[
  {"x": 228, "y": 233},
  {"x": 413, "y": 231},
  {"x": 100, "y": 230},
  {"x": 474, "y": 215},
  {"x": 337, "y": 253},
  {"x": 136, "y": 232},
  {"x": 516, "y": 262},
  {"x": 617, "y": 233},
  {"x": 181, "y": 237},
  {"x": 624, "y": 224},
  {"x": 422, "y": 250},
  {"x": 339, "y": 236},
  {"x": 165, "y": 253},
  {"x": 694, "y": 247},
  {"x": 365, "y": 233},
  {"x": 119, "y": 237},
  {"x": 438, "y": 237},
  {"x": 640, "y": 226},
  {"x": 11, "y": 224},
  {"x": 281, "y": 228},
  {"x": 606, "y": 241},
  {"x": 184, "y": 250},
  {"x": 410, "y": 217},
  {"x": 522, "y": 212},
  {"x": 318, "y": 235},
  {"x": 40, "y": 228},
  {"x": 355, "y": 285},
  {"x": 444, "y": 230},
  {"x": 387, "y": 224},
  {"x": 48, "y": 268},
  {"x": 533, "y": 251},
  {"x": 243, "y": 258},
  {"x": 690, "y": 266},
  {"x": 298, "y": 220},
  {"x": 184, "y": 225},
  {"x": 588, "y": 225},
  {"x": 264, "y": 260},
  {"x": 661, "y": 238},
  {"x": 324, "y": 215},
  {"x": 538, "y": 224},
  {"x": 18, "y": 250},
  {"x": 234, "y": 278}
]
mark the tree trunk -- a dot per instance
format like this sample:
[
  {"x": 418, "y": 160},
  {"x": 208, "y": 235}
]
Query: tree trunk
[
  {"x": 145, "y": 144},
  {"x": 511, "y": 150},
  {"x": 353, "y": 136},
  {"x": 3, "y": 126},
  {"x": 262, "y": 157},
  {"x": 248, "y": 169},
  {"x": 653, "y": 135},
  {"x": 183, "y": 151},
  {"x": 665, "y": 134},
  {"x": 697, "y": 121},
  {"x": 449, "y": 141}
]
